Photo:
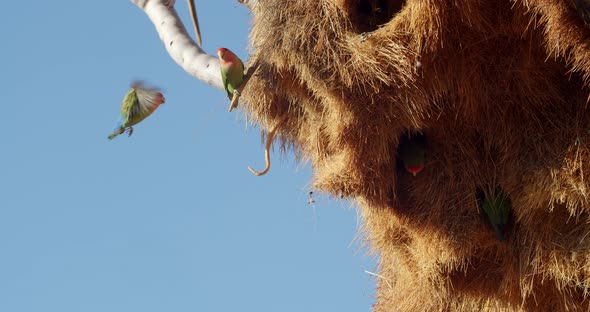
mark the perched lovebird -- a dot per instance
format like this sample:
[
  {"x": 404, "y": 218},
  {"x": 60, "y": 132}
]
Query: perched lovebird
[
  {"x": 137, "y": 105},
  {"x": 232, "y": 72},
  {"x": 412, "y": 151},
  {"x": 497, "y": 206}
]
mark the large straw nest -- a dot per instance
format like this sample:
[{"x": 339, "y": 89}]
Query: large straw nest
[{"x": 498, "y": 88}]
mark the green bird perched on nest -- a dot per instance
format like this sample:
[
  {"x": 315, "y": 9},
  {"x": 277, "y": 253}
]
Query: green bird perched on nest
[
  {"x": 412, "y": 151},
  {"x": 232, "y": 73},
  {"x": 497, "y": 206}
]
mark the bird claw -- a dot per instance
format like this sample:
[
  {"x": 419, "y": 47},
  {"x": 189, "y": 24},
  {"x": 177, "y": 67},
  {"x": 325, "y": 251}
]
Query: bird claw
[
  {"x": 234, "y": 100},
  {"x": 129, "y": 131},
  {"x": 365, "y": 36}
]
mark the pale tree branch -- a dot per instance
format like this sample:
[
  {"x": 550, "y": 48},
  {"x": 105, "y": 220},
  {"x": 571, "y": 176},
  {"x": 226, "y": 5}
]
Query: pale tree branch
[{"x": 181, "y": 48}]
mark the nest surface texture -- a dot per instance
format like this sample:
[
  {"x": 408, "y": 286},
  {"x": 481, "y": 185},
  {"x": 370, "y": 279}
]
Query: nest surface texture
[{"x": 499, "y": 90}]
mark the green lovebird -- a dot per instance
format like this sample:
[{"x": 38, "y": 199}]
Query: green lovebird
[
  {"x": 137, "y": 105},
  {"x": 232, "y": 72},
  {"x": 412, "y": 151},
  {"x": 497, "y": 206}
]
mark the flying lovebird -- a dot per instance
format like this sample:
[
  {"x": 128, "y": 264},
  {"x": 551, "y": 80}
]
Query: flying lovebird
[
  {"x": 412, "y": 153},
  {"x": 232, "y": 72},
  {"x": 497, "y": 206},
  {"x": 137, "y": 105}
]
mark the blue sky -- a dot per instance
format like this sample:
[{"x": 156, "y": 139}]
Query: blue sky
[{"x": 169, "y": 219}]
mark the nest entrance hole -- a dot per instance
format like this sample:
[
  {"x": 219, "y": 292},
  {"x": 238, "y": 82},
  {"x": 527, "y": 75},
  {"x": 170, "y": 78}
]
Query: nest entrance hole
[{"x": 368, "y": 15}]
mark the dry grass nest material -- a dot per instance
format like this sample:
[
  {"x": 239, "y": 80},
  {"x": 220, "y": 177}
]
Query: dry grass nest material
[{"x": 498, "y": 88}]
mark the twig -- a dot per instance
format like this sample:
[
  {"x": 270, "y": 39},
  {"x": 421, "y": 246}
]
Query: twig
[
  {"x": 381, "y": 277},
  {"x": 193, "y": 9},
  {"x": 247, "y": 76},
  {"x": 269, "y": 139}
]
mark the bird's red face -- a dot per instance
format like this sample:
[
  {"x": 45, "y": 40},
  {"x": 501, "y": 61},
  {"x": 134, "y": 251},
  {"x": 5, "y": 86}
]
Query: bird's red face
[
  {"x": 221, "y": 53},
  {"x": 414, "y": 170},
  {"x": 160, "y": 99}
]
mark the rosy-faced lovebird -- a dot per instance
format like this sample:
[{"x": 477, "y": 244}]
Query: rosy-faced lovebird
[
  {"x": 497, "y": 206},
  {"x": 137, "y": 105},
  {"x": 412, "y": 151},
  {"x": 232, "y": 72}
]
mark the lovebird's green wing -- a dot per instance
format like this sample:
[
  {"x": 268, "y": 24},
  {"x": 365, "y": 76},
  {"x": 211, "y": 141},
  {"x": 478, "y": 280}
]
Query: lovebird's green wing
[
  {"x": 225, "y": 82},
  {"x": 139, "y": 103},
  {"x": 236, "y": 76},
  {"x": 126, "y": 107},
  {"x": 412, "y": 152},
  {"x": 232, "y": 72},
  {"x": 497, "y": 207},
  {"x": 232, "y": 77}
]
